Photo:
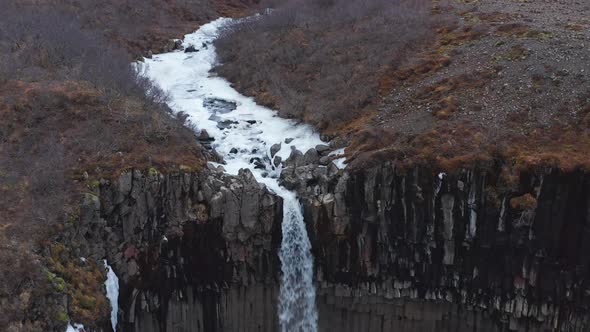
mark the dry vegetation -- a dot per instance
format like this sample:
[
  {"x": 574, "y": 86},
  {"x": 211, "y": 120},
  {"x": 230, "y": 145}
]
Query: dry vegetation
[
  {"x": 72, "y": 110},
  {"x": 494, "y": 88},
  {"x": 141, "y": 25},
  {"x": 317, "y": 60},
  {"x": 450, "y": 84}
]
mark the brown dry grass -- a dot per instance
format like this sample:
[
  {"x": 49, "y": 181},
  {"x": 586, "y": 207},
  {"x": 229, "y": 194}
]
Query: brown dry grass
[
  {"x": 440, "y": 97},
  {"x": 462, "y": 130},
  {"x": 62, "y": 129},
  {"x": 434, "y": 58},
  {"x": 103, "y": 136},
  {"x": 519, "y": 30},
  {"x": 301, "y": 58},
  {"x": 82, "y": 281},
  {"x": 56, "y": 139}
]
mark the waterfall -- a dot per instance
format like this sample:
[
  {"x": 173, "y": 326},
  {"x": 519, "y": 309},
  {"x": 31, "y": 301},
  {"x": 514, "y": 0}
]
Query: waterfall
[
  {"x": 297, "y": 308},
  {"x": 112, "y": 286},
  {"x": 243, "y": 134}
]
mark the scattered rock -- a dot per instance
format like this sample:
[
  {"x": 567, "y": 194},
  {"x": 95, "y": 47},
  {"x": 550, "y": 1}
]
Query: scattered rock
[
  {"x": 325, "y": 160},
  {"x": 288, "y": 140},
  {"x": 224, "y": 124},
  {"x": 277, "y": 161},
  {"x": 171, "y": 45},
  {"x": 204, "y": 136},
  {"x": 294, "y": 159},
  {"x": 205, "y": 139},
  {"x": 190, "y": 49},
  {"x": 258, "y": 163},
  {"x": 274, "y": 149},
  {"x": 333, "y": 170},
  {"x": 177, "y": 44},
  {"x": 326, "y": 137},
  {"x": 218, "y": 105},
  {"x": 311, "y": 157},
  {"x": 322, "y": 149},
  {"x": 233, "y": 150}
]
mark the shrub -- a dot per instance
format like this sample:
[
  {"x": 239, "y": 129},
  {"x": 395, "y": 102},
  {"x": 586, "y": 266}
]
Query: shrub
[
  {"x": 320, "y": 60},
  {"x": 47, "y": 43},
  {"x": 70, "y": 103}
]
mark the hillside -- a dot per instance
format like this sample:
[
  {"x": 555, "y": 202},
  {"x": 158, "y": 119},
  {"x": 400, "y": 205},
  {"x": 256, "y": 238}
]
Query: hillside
[
  {"x": 448, "y": 83},
  {"x": 73, "y": 111}
]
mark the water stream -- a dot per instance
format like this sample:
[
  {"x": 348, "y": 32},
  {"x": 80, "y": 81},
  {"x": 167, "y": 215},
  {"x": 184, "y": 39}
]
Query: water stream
[
  {"x": 112, "y": 286},
  {"x": 244, "y": 133}
]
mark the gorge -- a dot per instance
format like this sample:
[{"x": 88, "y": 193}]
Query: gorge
[
  {"x": 394, "y": 248},
  {"x": 248, "y": 137}
]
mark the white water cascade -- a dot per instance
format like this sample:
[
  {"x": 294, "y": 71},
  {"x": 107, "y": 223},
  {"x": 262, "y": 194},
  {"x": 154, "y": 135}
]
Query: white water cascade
[
  {"x": 112, "y": 286},
  {"x": 243, "y": 133}
]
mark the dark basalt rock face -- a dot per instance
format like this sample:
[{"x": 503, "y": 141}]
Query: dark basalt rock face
[
  {"x": 418, "y": 251},
  {"x": 394, "y": 250},
  {"x": 193, "y": 252}
]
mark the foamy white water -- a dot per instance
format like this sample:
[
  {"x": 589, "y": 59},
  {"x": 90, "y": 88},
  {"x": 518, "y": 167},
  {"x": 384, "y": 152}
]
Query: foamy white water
[
  {"x": 112, "y": 286},
  {"x": 244, "y": 133},
  {"x": 73, "y": 327}
]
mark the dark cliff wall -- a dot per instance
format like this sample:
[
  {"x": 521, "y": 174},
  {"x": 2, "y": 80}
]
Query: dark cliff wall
[
  {"x": 394, "y": 250},
  {"x": 420, "y": 251},
  {"x": 194, "y": 252}
]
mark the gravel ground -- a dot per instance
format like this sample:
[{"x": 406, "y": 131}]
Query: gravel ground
[{"x": 529, "y": 71}]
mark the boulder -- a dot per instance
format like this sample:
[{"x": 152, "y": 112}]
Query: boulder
[
  {"x": 218, "y": 105},
  {"x": 190, "y": 49},
  {"x": 322, "y": 149},
  {"x": 325, "y": 160},
  {"x": 310, "y": 157},
  {"x": 277, "y": 161},
  {"x": 204, "y": 136},
  {"x": 274, "y": 149},
  {"x": 295, "y": 158},
  {"x": 177, "y": 44},
  {"x": 171, "y": 45}
]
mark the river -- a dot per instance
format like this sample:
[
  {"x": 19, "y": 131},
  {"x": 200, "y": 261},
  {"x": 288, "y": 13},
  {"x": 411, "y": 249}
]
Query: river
[{"x": 243, "y": 134}]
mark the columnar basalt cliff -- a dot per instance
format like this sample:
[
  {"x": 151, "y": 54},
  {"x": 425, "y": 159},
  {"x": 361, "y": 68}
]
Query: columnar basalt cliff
[
  {"x": 395, "y": 249},
  {"x": 478, "y": 250},
  {"x": 193, "y": 251}
]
